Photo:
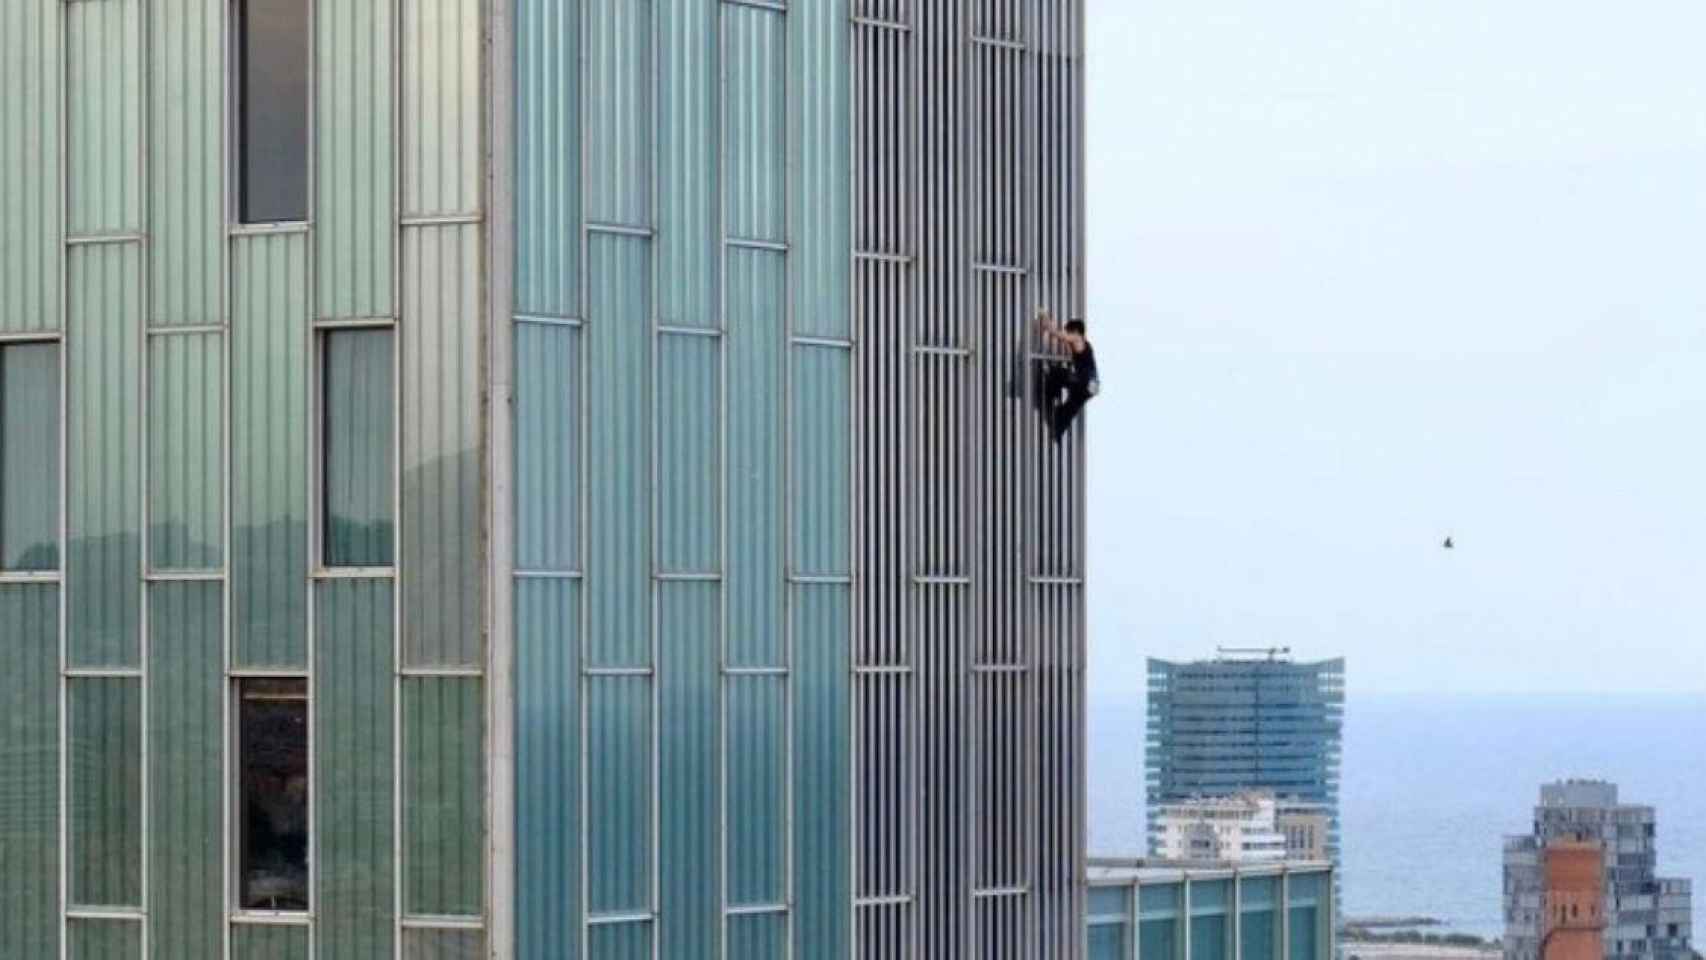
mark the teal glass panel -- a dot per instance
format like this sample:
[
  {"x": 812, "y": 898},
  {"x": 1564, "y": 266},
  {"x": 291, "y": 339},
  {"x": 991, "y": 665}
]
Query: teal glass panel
[
  {"x": 756, "y": 844},
  {"x": 356, "y": 448},
  {"x": 1160, "y": 901},
  {"x": 547, "y": 767},
  {"x": 29, "y": 770},
  {"x": 268, "y": 942},
  {"x": 620, "y": 941},
  {"x": 758, "y": 936},
  {"x": 1108, "y": 942},
  {"x": 688, "y": 156},
  {"x": 689, "y": 401},
  {"x": 618, "y": 834},
  {"x": 1259, "y": 932},
  {"x": 353, "y": 732},
  {"x": 1258, "y": 892},
  {"x": 820, "y": 460},
  {"x": 31, "y": 251},
  {"x": 547, "y": 447},
  {"x": 186, "y": 711},
  {"x": 619, "y": 121},
  {"x": 1305, "y": 889},
  {"x": 619, "y": 568},
  {"x": 105, "y": 756},
  {"x": 820, "y": 235},
  {"x": 1211, "y": 896},
  {"x": 822, "y": 778},
  {"x": 757, "y": 286},
  {"x": 29, "y": 456},
  {"x": 755, "y": 122},
  {"x": 689, "y": 615},
  {"x": 444, "y": 787},
  {"x": 443, "y": 560},
  {"x": 104, "y": 939},
  {"x": 1159, "y": 940},
  {"x": 444, "y": 945},
  {"x": 355, "y": 163},
  {"x": 269, "y": 436},
  {"x": 1106, "y": 902},
  {"x": 547, "y": 158},
  {"x": 186, "y": 451},
  {"x": 1303, "y": 936},
  {"x": 1211, "y": 937},
  {"x": 186, "y": 161},
  {"x": 104, "y": 111},
  {"x": 104, "y": 462}
]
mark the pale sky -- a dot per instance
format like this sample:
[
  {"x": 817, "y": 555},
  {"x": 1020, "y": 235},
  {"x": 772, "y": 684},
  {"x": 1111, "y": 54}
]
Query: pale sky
[{"x": 1365, "y": 274}]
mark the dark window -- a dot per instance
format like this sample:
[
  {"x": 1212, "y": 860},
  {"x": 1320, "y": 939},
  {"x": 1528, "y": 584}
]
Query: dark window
[
  {"x": 273, "y": 813},
  {"x": 29, "y": 456},
  {"x": 272, "y": 46},
  {"x": 356, "y": 448}
]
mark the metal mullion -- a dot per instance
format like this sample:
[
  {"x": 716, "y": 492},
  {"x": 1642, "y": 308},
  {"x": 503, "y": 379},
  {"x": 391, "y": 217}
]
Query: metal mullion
[
  {"x": 711, "y": 333},
  {"x": 855, "y": 461},
  {"x": 618, "y": 229},
  {"x": 217, "y": 328},
  {"x": 101, "y": 673},
  {"x": 394, "y": 10},
  {"x": 536, "y": 318},
  {"x": 26, "y": 577},
  {"x": 438, "y": 922},
  {"x": 315, "y": 357},
  {"x": 307, "y": 226},
  {"x": 355, "y": 323},
  {"x": 113, "y": 914},
  {"x": 584, "y": 351},
  {"x": 655, "y": 587},
  {"x": 830, "y": 343},
  {"x": 104, "y": 239},
  {"x": 720, "y": 52},
  {"x": 547, "y": 575}
]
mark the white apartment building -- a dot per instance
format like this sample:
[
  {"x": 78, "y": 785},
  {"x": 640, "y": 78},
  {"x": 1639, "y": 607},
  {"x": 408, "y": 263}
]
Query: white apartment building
[{"x": 1243, "y": 828}]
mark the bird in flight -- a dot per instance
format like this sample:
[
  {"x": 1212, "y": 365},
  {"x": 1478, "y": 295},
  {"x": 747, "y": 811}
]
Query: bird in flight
[{"x": 1449, "y": 545}]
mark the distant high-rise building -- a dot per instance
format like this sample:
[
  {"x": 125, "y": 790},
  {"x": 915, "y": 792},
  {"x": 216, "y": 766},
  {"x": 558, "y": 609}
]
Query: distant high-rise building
[
  {"x": 1239, "y": 722},
  {"x": 1646, "y": 917}
]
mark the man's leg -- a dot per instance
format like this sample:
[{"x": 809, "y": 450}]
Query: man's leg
[
  {"x": 1053, "y": 382},
  {"x": 1068, "y": 411}
]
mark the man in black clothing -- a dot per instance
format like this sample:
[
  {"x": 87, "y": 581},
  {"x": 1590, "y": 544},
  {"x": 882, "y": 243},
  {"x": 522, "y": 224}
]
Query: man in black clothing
[{"x": 1077, "y": 376}]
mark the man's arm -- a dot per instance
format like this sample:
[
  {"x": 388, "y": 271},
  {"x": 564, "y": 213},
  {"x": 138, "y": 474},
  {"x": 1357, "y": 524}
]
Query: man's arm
[{"x": 1046, "y": 324}]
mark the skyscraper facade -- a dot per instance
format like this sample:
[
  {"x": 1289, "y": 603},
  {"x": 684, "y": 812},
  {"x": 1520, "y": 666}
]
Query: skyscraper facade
[
  {"x": 539, "y": 479},
  {"x": 1236, "y": 723},
  {"x": 1646, "y": 916}
]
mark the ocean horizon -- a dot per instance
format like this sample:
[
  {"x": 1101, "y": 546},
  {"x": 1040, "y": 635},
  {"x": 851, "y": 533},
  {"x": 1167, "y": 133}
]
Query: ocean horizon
[{"x": 1431, "y": 785}]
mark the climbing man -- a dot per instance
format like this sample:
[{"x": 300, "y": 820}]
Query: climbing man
[{"x": 1077, "y": 377}]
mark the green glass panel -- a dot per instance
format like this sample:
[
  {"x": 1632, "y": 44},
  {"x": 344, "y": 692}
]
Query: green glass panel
[
  {"x": 444, "y": 945},
  {"x": 29, "y": 770},
  {"x": 689, "y": 616},
  {"x": 29, "y": 457},
  {"x": 1303, "y": 936},
  {"x": 687, "y": 157},
  {"x": 755, "y": 122},
  {"x": 441, "y": 108},
  {"x": 30, "y": 247},
  {"x": 547, "y": 447},
  {"x": 619, "y": 794},
  {"x": 548, "y": 157},
  {"x": 185, "y": 728},
  {"x": 1109, "y": 901},
  {"x": 759, "y": 936},
  {"x": 104, "y": 505},
  {"x": 105, "y": 756},
  {"x": 757, "y": 288},
  {"x": 1211, "y": 896},
  {"x": 357, "y": 439},
  {"x": 689, "y": 400},
  {"x": 619, "y": 122},
  {"x": 1108, "y": 942},
  {"x": 1210, "y": 937},
  {"x": 820, "y": 460},
  {"x": 443, "y": 558},
  {"x": 104, "y": 939},
  {"x": 1257, "y": 928},
  {"x": 353, "y": 794},
  {"x": 547, "y": 767},
  {"x": 1160, "y": 901},
  {"x": 1159, "y": 940},
  {"x": 186, "y": 451},
  {"x": 620, "y": 941},
  {"x": 186, "y": 215},
  {"x": 619, "y": 442},
  {"x": 355, "y": 169},
  {"x": 756, "y": 844},
  {"x": 103, "y": 137},
  {"x": 822, "y": 787},
  {"x": 820, "y": 234},
  {"x": 1305, "y": 889},
  {"x": 1257, "y": 892},
  {"x": 268, "y": 942},
  {"x": 269, "y": 439},
  {"x": 443, "y": 787}
]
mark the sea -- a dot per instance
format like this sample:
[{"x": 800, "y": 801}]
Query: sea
[{"x": 1431, "y": 785}]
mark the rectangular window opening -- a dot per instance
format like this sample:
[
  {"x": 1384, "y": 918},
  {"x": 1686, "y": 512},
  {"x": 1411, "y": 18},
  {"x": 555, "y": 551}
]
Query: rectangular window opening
[
  {"x": 356, "y": 448},
  {"x": 273, "y": 794},
  {"x": 271, "y": 44},
  {"x": 29, "y": 457}
]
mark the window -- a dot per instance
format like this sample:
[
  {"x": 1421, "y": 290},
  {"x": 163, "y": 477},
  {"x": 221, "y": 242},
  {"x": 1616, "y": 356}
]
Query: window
[
  {"x": 272, "y": 46},
  {"x": 29, "y": 457},
  {"x": 356, "y": 448},
  {"x": 273, "y": 795}
]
